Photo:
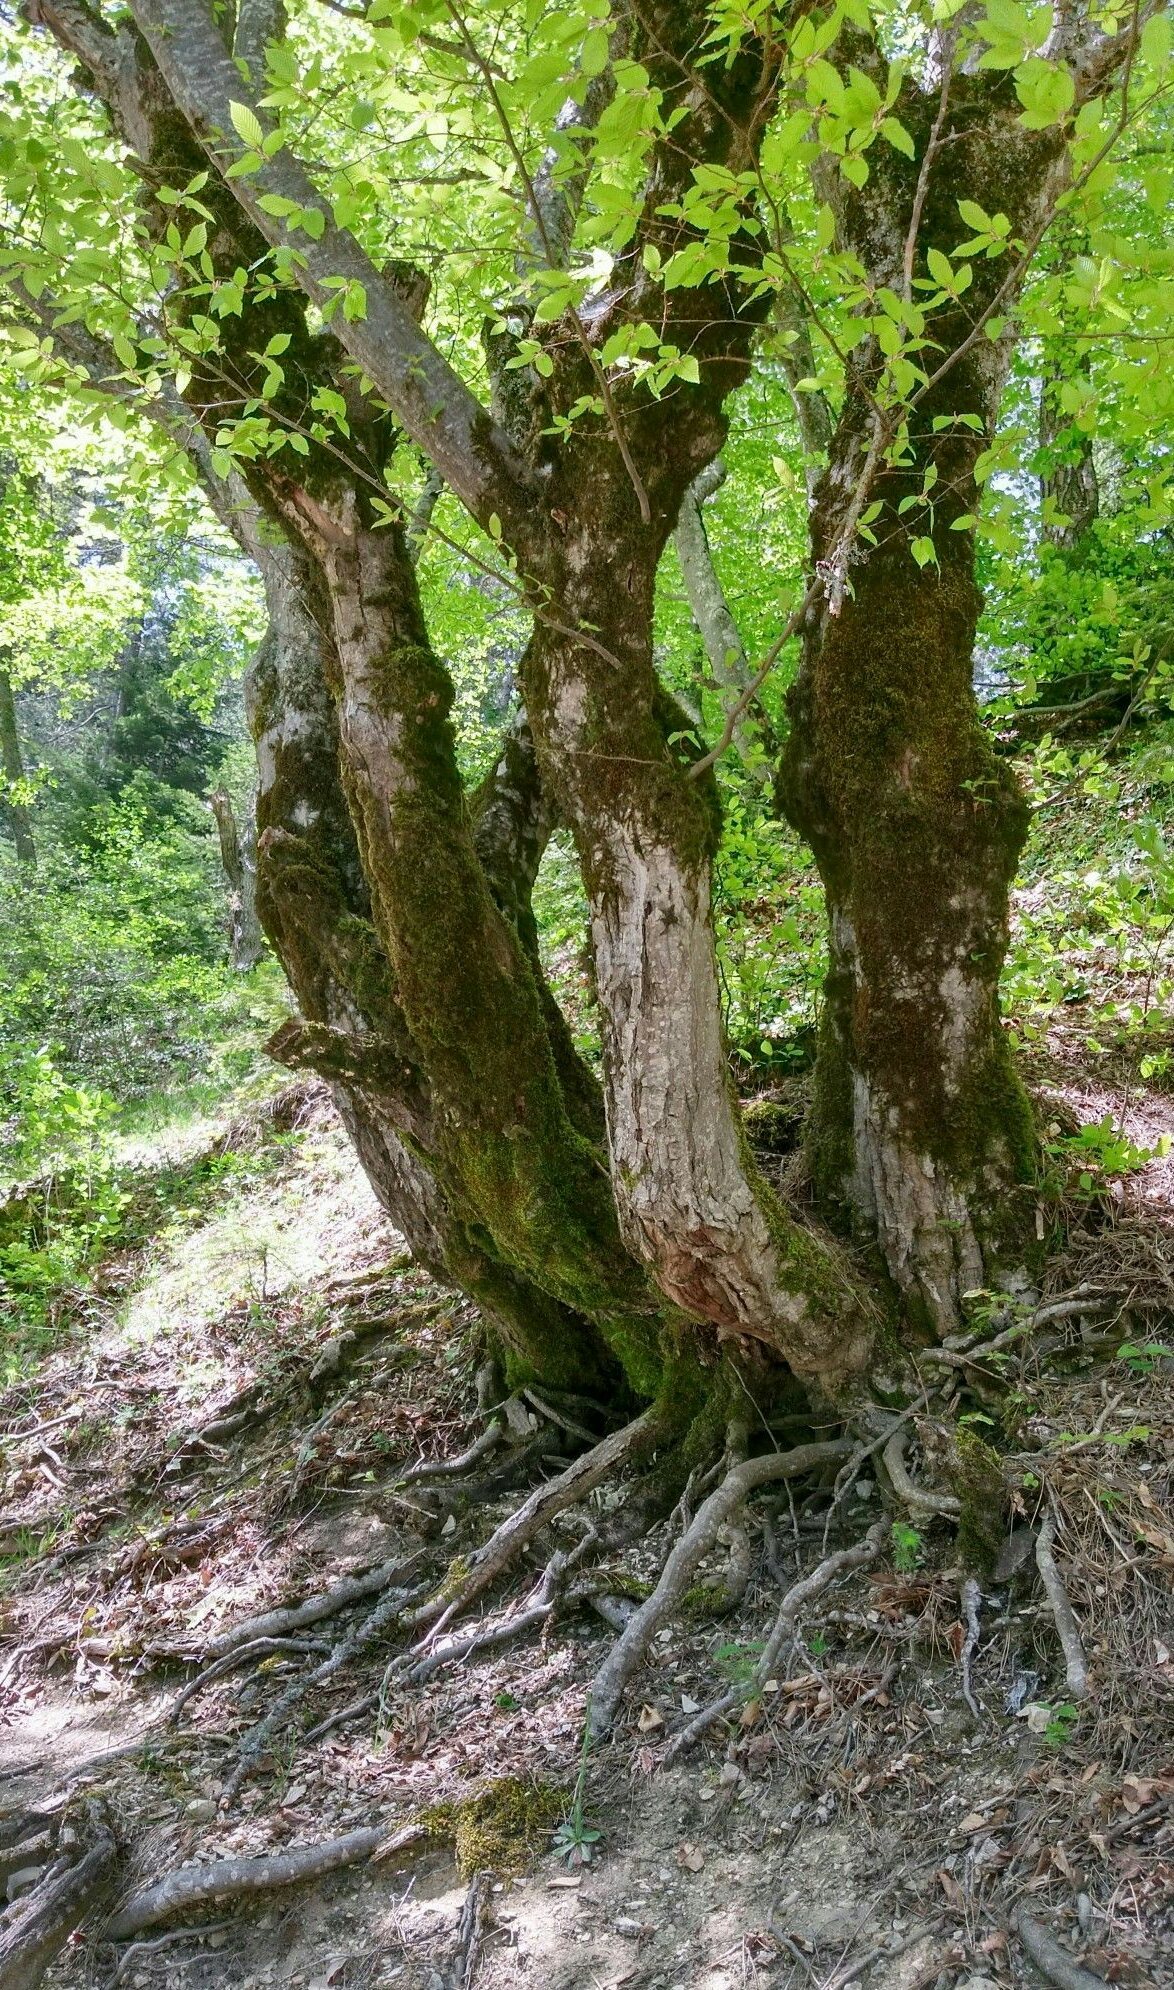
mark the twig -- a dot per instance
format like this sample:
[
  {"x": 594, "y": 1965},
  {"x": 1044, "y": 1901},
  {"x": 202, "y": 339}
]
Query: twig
[
  {"x": 193, "y": 1885},
  {"x": 1056, "y": 1964},
  {"x": 808, "y": 1586},
  {"x": 1076, "y": 1671}
]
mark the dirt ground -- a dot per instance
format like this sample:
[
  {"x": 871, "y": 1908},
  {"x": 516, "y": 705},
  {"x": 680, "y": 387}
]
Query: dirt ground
[{"x": 224, "y": 1427}]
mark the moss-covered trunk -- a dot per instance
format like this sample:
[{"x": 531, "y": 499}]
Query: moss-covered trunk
[{"x": 920, "y": 1127}]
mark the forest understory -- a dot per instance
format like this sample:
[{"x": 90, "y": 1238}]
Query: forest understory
[{"x": 262, "y": 1446}]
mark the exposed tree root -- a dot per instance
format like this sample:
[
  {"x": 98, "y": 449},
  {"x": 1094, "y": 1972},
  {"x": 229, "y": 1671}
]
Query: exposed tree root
[
  {"x": 1075, "y": 1668},
  {"x": 47, "y": 1916},
  {"x": 543, "y": 1505},
  {"x": 372, "y": 1627},
  {"x": 971, "y": 1605},
  {"x": 139, "y": 1951},
  {"x": 470, "y": 1934},
  {"x": 451, "y": 1468},
  {"x": 1054, "y": 1962},
  {"x": 915, "y": 1497},
  {"x": 327, "y": 1603},
  {"x": 720, "y": 1507},
  {"x": 192, "y": 1886},
  {"x": 799, "y": 1594},
  {"x": 240, "y": 1655}
]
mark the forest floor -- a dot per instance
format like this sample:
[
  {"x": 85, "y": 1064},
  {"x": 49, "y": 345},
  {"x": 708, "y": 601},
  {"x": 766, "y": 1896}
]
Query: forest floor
[{"x": 223, "y": 1425}]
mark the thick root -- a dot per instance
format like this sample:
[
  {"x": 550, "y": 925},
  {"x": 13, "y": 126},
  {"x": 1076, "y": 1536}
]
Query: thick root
[
  {"x": 699, "y": 1537},
  {"x": 192, "y": 1886}
]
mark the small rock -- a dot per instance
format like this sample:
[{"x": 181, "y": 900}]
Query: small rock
[
  {"x": 632, "y": 1931},
  {"x": 201, "y": 1810}
]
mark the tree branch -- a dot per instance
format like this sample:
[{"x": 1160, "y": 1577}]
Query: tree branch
[{"x": 440, "y": 413}]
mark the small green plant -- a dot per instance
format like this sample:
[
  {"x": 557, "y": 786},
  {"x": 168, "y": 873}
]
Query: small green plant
[
  {"x": 907, "y": 1547},
  {"x": 1062, "y": 1724},
  {"x": 1145, "y": 1358},
  {"x": 506, "y": 1702},
  {"x": 575, "y": 1839},
  {"x": 738, "y": 1662}
]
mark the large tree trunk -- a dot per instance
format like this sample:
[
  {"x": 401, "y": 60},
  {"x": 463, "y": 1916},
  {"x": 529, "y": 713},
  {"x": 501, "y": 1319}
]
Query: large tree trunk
[
  {"x": 16, "y": 812},
  {"x": 920, "y": 1126},
  {"x": 919, "y": 1122},
  {"x": 692, "y": 1204}
]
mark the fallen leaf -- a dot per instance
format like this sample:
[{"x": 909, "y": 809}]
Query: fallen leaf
[
  {"x": 648, "y": 1718},
  {"x": 690, "y": 1858}
]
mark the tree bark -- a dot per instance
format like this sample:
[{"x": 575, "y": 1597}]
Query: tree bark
[{"x": 17, "y": 812}]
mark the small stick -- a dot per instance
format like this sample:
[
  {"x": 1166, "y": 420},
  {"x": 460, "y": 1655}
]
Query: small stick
[{"x": 1075, "y": 1668}]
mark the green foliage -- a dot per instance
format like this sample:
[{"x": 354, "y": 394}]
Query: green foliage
[{"x": 908, "y": 1546}]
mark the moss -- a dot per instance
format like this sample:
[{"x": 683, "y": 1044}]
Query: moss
[
  {"x": 704, "y": 1600},
  {"x": 501, "y": 1828},
  {"x": 976, "y": 1475}
]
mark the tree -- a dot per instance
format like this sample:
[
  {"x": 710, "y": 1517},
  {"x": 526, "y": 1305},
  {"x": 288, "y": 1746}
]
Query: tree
[{"x": 650, "y": 169}]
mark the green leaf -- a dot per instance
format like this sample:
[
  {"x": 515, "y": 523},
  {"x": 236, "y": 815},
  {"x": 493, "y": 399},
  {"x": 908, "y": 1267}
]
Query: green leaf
[
  {"x": 1046, "y": 91},
  {"x": 247, "y": 125},
  {"x": 923, "y": 552},
  {"x": 596, "y": 52},
  {"x": 895, "y": 132}
]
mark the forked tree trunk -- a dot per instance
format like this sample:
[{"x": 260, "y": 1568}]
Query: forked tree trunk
[{"x": 692, "y": 1204}]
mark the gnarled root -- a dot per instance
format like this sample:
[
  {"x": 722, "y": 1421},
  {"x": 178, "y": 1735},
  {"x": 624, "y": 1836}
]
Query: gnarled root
[
  {"x": 715, "y": 1512},
  {"x": 916, "y": 1498},
  {"x": 48, "y": 1915},
  {"x": 546, "y": 1501},
  {"x": 799, "y": 1594},
  {"x": 372, "y": 1627},
  {"x": 298, "y": 1616}
]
